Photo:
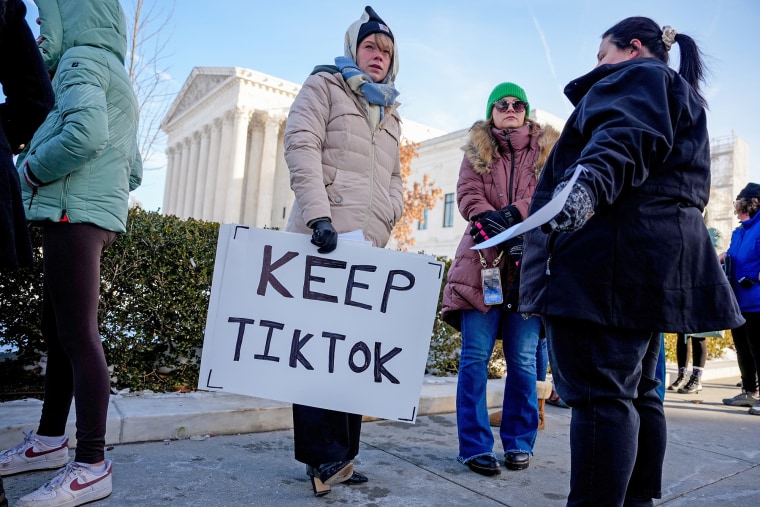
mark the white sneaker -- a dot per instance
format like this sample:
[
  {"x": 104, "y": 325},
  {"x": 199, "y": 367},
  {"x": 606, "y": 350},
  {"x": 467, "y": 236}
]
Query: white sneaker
[
  {"x": 755, "y": 409},
  {"x": 74, "y": 485},
  {"x": 32, "y": 454}
]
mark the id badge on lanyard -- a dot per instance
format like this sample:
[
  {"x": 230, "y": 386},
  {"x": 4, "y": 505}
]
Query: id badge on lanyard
[{"x": 491, "y": 280}]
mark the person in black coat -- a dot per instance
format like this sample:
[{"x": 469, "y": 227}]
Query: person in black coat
[
  {"x": 628, "y": 256},
  {"x": 28, "y": 98}
]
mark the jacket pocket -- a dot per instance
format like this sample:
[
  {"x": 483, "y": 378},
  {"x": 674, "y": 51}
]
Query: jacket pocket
[{"x": 333, "y": 187}]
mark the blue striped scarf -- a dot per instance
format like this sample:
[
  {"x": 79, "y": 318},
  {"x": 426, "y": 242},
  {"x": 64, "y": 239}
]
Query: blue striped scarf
[{"x": 381, "y": 94}]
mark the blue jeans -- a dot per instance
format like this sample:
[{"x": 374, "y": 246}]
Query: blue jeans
[
  {"x": 608, "y": 376},
  {"x": 519, "y": 422}
]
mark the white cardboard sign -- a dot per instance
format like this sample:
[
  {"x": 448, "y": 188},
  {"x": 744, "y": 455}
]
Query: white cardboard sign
[{"x": 348, "y": 330}]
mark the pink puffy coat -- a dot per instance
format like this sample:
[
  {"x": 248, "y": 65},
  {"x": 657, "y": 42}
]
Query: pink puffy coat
[{"x": 486, "y": 183}]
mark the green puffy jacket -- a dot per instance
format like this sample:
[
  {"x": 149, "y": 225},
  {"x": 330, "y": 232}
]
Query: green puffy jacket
[{"x": 84, "y": 157}]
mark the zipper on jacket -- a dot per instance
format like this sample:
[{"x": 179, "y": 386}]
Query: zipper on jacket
[
  {"x": 550, "y": 250},
  {"x": 371, "y": 179},
  {"x": 512, "y": 169},
  {"x": 65, "y": 198},
  {"x": 34, "y": 194}
]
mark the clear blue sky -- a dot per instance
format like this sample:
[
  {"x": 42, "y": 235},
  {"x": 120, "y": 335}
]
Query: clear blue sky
[{"x": 453, "y": 52}]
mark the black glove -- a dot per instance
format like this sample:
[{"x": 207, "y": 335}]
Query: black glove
[
  {"x": 490, "y": 223},
  {"x": 513, "y": 248},
  {"x": 324, "y": 236},
  {"x": 577, "y": 210}
]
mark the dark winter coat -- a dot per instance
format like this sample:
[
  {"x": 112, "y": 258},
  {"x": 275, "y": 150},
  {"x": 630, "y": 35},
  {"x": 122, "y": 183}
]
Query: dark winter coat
[
  {"x": 644, "y": 260},
  {"x": 28, "y": 98},
  {"x": 486, "y": 183}
]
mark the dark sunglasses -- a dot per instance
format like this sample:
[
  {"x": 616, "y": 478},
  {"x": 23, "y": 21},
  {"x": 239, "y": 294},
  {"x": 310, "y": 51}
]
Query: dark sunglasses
[{"x": 503, "y": 106}]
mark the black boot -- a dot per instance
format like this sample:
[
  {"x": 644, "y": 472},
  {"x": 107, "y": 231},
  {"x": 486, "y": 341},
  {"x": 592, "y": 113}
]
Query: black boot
[
  {"x": 679, "y": 380},
  {"x": 693, "y": 386}
]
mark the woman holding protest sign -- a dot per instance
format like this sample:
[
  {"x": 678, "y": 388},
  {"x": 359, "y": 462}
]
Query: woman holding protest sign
[
  {"x": 496, "y": 182},
  {"x": 342, "y": 147}
]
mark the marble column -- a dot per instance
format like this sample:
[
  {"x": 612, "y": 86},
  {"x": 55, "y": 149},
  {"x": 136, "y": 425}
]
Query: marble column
[
  {"x": 212, "y": 169},
  {"x": 200, "y": 179},
  {"x": 283, "y": 195},
  {"x": 235, "y": 184},
  {"x": 223, "y": 167},
  {"x": 267, "y": 174},
  {"x": 168, "y": 180},
  {"x": 175, "y": 200},
  {"x": 180, "y": 200},
  {"x": 253, "y": 170},
  {"x": 192, "y": 171}
]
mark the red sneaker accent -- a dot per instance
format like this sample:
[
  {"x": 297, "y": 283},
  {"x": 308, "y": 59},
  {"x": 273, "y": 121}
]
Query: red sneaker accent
[
  {"x": 78, "y": 486},
  {"x": 31, "y": 453}
]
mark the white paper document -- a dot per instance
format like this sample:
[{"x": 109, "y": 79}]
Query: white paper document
[
  {"x": 357, "y": 236},
  {"x": 537, "y": 219}
]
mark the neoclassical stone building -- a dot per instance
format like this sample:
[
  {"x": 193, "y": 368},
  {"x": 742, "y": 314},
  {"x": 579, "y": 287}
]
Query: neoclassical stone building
[
  {"x": 225, "y": 159},
  {"x": 224, "y": 138}
]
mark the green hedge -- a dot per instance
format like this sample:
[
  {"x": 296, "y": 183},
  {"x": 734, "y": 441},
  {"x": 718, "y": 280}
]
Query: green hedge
[
  {"x": 155, "y": 287},
  {"x": 156, "y": 282}
]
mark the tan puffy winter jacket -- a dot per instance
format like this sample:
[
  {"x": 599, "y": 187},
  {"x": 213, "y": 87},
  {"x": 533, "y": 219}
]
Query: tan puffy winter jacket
[{"x": 339, "y": 168}]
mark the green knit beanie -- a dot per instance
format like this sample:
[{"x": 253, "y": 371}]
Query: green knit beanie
[{"x": 506, "y": 90}]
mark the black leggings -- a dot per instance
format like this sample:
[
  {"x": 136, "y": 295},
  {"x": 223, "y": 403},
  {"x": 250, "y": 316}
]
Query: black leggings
[
  {"x": 698, "y": 348},
  {"x": 76, "y": 364},
  {"x": 747, "y": 343}
]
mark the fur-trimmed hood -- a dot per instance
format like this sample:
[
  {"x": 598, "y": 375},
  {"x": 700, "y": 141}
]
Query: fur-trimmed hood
[{"x": 482, "y": 148}]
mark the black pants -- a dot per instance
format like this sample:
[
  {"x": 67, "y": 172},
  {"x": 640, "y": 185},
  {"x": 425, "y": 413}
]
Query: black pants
[
  {"x": 322, "y": 436},
  {"x": 747, "y": 343},
  {"x": 76, "y": 366},
  {"x": 608, "y": 376},
  {"x": 698, "y": 348}
]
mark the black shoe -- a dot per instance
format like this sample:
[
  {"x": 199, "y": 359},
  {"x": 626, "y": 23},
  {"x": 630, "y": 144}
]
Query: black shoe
[
  {"x": 693, "y": 386},
  {"x": 332, "y": 473},
  {"x": 357, "y": 478},
  {"x": 680, "y": 380},
  {"x": 517, "y": 460},
  {"x": 484, "y": 465}
]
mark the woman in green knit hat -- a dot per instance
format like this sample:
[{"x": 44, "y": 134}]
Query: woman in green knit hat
[{"x": 497, "y": 179}]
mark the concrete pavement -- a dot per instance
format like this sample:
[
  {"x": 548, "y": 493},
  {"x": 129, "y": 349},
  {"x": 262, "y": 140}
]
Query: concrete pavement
[{"x": 226, "y": 450}]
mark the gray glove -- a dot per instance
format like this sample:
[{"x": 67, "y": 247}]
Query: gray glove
[{"x": 577, "y": 210}]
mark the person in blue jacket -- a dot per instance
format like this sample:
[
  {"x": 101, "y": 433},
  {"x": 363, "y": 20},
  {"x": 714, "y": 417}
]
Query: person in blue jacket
[
  {"x": 76, "y": 175},
  {"x": 744, "y": 252},
  {"x": 627, "y": 257}
]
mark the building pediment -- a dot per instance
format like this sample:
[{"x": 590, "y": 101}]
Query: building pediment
[{"x": 201, "y": 83}]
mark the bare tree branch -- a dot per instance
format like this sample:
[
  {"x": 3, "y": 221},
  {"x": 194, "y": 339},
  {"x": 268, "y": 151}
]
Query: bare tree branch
[{"x": 147, "y": 62}]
